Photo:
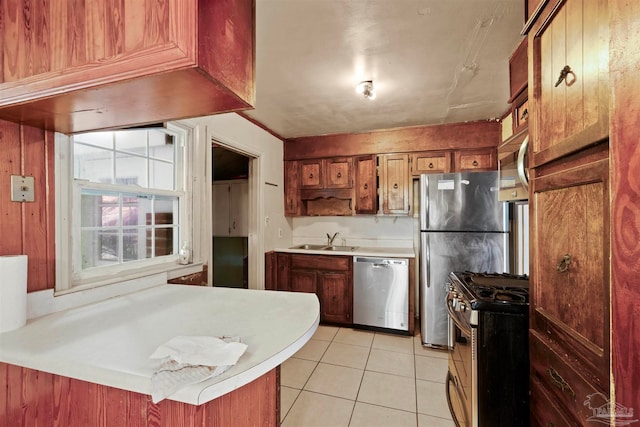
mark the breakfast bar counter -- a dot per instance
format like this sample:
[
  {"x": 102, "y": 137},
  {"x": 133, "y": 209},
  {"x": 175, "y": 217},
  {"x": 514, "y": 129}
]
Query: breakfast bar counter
[{"x": 109, "y": 343}]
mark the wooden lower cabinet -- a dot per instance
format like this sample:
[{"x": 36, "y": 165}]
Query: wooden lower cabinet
[
  {"x": 35, "y": 398},
  {"x": 330, "y": 277},
  {"x": 570, "y": 294}
]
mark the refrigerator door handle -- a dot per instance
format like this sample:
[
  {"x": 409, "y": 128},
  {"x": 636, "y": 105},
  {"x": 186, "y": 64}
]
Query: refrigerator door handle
[
  {"x": 424, "y": 264},
  {"x": 424, "y": 202}
]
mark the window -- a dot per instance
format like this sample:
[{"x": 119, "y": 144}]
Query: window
[{"x": 128, "y": 204}]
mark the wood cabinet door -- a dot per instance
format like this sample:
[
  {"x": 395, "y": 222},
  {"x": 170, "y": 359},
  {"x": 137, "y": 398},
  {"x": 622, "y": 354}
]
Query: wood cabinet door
[
  {"x": 570, "y": 261},
  {"x": 335, "y": 291},
  {"x": 366, "y": 189},
  {"x": 283, "y": 267},
  {"x": 291, "y": 188},
  {"x": 476, "y": 160},
  {"x": 394, "y": 183},
  {"x": 337, "y": 172},
  {"x": 571, "y": 104},
  {"x": 311, "y": 174},
  {"x": 304, "y": 281},
  {"x": 430, "y": 162}
]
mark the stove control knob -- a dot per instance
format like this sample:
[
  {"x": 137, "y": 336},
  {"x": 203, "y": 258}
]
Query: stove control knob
[{"x": 463, "y": 307}]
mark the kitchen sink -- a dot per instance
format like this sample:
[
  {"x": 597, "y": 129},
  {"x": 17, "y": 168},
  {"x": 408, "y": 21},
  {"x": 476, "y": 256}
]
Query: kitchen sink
[{"x": 325, "y": 248}]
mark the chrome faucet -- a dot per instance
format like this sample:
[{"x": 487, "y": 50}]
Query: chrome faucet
[{"x": 330, "y": 239}]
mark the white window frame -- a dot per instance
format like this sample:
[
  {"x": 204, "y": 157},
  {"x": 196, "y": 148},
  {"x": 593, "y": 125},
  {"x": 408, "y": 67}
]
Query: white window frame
[{"x": 69, "y": 275}]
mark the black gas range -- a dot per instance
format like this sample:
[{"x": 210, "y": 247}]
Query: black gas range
[{"x": 488, "y": 378}]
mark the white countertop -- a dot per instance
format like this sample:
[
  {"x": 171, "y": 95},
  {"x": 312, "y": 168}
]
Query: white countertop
[
  {"x": 109, "y": 342},
  {"x": 359, "y": 251}
]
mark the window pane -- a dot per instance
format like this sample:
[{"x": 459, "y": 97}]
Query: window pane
[
  {"x": 161, "y": 175},
  {"x": 161, "y": 146},
  {"x": 164, "y": 240},
  {"x": 166, "y": 208},
  {"x": 94, "y": 164},
  {"x": 99, "y": 210},
  {"x": 99, "y": 248},
  {"x": 135, "y": 209},
  {"x": 133, "y": 141},
  {"x": 131, "y": 170},
  {"x": 99, "y": 139},
  {"x": 134, "y": 244}
]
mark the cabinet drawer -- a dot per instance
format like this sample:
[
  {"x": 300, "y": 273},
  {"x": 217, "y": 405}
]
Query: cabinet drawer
[
  {"x": 564, "y": 384},
  {"x": 430, "y": 163},
  {"x": 322, "y": 262},
  {"x": 485, "y": 160},
  {"x": 544, "y": 411}
]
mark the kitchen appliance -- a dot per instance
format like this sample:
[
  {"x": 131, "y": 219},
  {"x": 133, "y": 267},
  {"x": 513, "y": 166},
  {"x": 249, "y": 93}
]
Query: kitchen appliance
[
  {"x": 463, "y": 227},
  {"x": 381, "y": 292},
  {"x": 512, "y": 166},
  {"x": 488, "y": 377}
]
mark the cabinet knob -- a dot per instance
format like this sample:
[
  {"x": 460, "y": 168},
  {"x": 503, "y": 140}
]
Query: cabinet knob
[
  {"x": 564, "y": 263},
  {"x": 310, "y": 175},
  {"x": 366, "y": 186},
  {"x": 475, "y": 163},
  {"x": 339, "y": 175},
  {"x": 395, "y": 186},
  {"x": 566, "y": 71},
  {"x": 431, "y": 165}
]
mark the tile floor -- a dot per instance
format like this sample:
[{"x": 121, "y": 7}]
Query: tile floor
[{"x": 348, "y": 377}]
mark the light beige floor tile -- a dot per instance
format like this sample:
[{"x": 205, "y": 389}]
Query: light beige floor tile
[
  {"x": 398, "y": 343},
  {"x": 365, "y": 415},
  {"x": 391, "y": 362},
  {"x": 431, "y": 399},
  {"x": 318, "y": 410},
  {"x": 431, "y": 368},
  {"x": 333, "y": 380},
  {"x": 325, "y": 333},
  {"x": 296, "y": 372},
  {"x": 353, "y": 356},
  {"x": 391, "y": 391},
  {"x": 429, "y": 421},
  {"x": 421, "y": 350},
  {"x": 354, "y": 337},
  {"x": 288, "y": 395},
  {"x": 312, "y": 350}
]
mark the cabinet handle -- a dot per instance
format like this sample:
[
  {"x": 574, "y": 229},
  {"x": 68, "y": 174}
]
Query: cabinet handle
[
  {"x": 310, "y": 175},
  {"x": 564, "y": 263},
  {"x": 366, "y": 186},
  {"x": 339, "y": 175},
  {"x": 475, "y": 163},
  {"x": 559, "y": 382},
  {"x": 234, "y": 225},
  {"x": 395, "y": 186},
  {"x": 291, "y": 204},
  {"x": 431, "y": 165},
  {"x": 550, "y": 424},
  {"x": 563, "y": 76}
]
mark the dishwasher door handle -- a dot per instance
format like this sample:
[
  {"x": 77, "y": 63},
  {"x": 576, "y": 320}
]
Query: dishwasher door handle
[{"x": 380, "y": 265}]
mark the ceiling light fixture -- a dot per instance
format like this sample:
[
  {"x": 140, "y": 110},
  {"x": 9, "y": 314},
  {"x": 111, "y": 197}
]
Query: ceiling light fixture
[{"x": 366, "y": 89}]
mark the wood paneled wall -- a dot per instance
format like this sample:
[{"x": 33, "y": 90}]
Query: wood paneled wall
[
  {"x": 31, "y": 398},
  {"x": 28, "y": 228},
  {"x": 422, "y": 138},
  {"x": 625, "y": 190}
]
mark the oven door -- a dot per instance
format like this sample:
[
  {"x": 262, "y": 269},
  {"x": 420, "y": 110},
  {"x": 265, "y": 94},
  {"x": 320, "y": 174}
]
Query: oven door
[{"x": 459, "y": 377}]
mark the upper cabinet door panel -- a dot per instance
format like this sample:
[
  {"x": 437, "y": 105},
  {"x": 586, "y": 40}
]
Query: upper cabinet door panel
[
  {"x": 311, "y": 174},
  {"x": 76, "y": 66},
  {"x": 338, "y": 172},
  {"x": 366, "y": 188},
  {"x": 571, "y": 81},
  {"x": 430, "y": 162}
]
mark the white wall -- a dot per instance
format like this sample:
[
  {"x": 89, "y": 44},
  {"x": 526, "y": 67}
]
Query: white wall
[{"x": 267, "y": 221}]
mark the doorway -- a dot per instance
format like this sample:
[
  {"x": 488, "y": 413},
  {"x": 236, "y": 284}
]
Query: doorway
[{"x": 230, "y": 196}]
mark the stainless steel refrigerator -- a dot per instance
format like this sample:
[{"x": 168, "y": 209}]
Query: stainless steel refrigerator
[{"x": 463, "y": 227}]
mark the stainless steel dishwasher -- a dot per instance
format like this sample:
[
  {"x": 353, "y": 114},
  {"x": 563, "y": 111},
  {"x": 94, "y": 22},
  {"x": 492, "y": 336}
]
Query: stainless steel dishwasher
[{"x": 381, "y": 292}]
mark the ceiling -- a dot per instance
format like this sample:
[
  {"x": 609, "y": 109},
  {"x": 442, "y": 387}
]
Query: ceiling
[{"x": 431, "y": 62}]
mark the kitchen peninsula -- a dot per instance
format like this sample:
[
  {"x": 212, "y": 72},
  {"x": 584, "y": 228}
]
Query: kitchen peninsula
[{"x": 90, "y": 365}]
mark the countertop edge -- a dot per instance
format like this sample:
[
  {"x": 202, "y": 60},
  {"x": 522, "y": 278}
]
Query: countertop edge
[{"x": 373, "y": 252}]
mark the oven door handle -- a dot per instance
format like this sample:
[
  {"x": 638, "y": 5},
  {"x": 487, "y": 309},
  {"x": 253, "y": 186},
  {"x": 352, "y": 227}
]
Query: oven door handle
[
  {"x": 452, "y": 381},
  {"x": 454, "y": 318}
]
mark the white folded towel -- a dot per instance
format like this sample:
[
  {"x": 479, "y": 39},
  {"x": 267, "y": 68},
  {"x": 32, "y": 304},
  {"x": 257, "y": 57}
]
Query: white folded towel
[{"x": 188, "y": 360}]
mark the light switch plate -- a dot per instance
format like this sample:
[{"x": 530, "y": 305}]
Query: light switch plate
[{"x": 22, "y": 188}]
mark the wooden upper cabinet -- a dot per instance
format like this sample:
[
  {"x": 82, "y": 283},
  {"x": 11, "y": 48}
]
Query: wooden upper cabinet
[
  {"x": 569, "y": 46},
  {"x": 291, "y": 188},
  {"x": 311, "y": 174},
  {"x": 394, "y": 183},
  {"x": 77, "y": 66},
  {"x": 338, "y": 172},
  {"x": 430, "y": 162},
  {"x": 476, "y": 160},
  {"x": 366, "y": 186}
]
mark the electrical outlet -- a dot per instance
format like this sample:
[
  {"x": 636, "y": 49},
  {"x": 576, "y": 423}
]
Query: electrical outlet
[{"x": 22, "y": 188}]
